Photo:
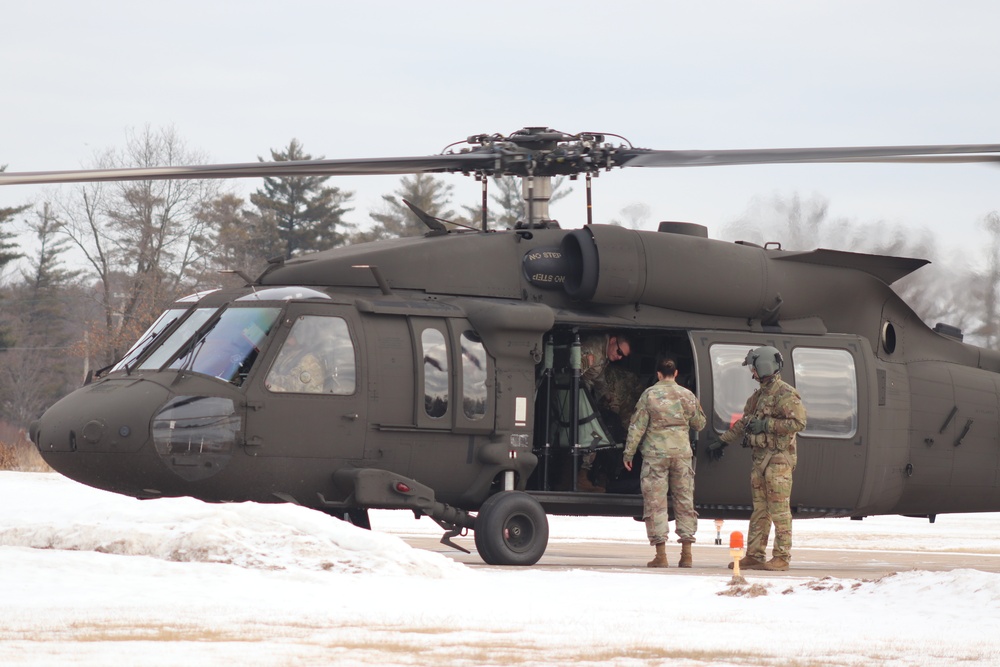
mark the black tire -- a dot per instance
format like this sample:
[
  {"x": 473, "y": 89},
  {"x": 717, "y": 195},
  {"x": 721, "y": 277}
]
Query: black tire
[{"x": 511, "y": 529}]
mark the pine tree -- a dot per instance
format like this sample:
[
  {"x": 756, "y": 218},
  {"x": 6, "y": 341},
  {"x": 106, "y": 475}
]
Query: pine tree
[
  {"x": 46, "y": 274},
  {"x": 429, "y": 194},
  {"x": 8, "y": 252},
  {"x": 506, "y": 193},
  {"x": 309, "y": 216},
  {"x": 42, "y": 370},
  {"x": 245, "y": 239},
  {"x": 8, "y": 248}
]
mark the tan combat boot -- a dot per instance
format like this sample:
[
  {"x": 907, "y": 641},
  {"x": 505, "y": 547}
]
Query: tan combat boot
[
  {"x": 661, "y": 557},
  {"x": 776, "y": 564},
  {"x": 750, "y": 563},
  {"x": 583, "y": 483},
  {"x": 686, "y": 559}
]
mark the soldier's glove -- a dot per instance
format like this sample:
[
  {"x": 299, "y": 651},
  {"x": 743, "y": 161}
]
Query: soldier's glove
[
  {"x": 716, "y": 449},
  {"x": 757, "y": 425}
]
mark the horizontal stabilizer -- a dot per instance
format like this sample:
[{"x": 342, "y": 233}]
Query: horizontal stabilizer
[{"x": 886, "y": 268}]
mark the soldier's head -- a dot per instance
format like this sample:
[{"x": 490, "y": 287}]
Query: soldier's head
[
  {"x": 763, "y": 362},
  {"x": 666, "y": 368},
  {"x": 619, "y": 347}
]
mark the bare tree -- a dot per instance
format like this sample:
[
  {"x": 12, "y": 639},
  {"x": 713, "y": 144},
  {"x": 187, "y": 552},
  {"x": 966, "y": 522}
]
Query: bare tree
[
  {"x": 939, "y": 292},
  {"x": 633, "y": 216},
  {"x": 990, "y": 329},
  {"x": 143, "y": 240}
]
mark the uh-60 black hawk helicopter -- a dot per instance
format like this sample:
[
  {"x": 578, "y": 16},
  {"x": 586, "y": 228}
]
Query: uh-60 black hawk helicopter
[{"x": 441, "y": 373}]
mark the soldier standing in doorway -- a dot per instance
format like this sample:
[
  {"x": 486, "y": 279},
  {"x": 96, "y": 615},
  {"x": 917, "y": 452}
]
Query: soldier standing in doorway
[{"x": 596, "y": 353}]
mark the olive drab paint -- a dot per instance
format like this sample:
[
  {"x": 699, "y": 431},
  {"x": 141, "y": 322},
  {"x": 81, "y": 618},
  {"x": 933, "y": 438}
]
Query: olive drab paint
[{"x": 443, "y": 380}]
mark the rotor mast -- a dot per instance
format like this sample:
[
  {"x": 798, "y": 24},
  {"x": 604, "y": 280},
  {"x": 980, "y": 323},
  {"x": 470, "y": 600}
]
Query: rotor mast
[{"x": 536, "y": 192}]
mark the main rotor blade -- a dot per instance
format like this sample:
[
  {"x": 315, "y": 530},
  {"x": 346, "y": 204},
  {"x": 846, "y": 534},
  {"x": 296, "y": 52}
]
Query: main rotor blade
[
  {"x": 355, "y": 167},
  {"x": 954, "y": 153},
  {"x": 557, "y": 154}
]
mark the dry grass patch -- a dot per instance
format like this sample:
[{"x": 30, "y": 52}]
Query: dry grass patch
[{"x": 17, "y": 452}]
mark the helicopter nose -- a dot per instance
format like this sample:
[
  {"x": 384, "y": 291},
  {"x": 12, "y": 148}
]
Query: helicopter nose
[{"x": 112, "y": 416}]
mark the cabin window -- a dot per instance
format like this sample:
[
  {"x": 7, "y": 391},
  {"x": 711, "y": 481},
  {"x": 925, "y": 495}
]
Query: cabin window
[
  {"x": 181, "y": 334},
  {"x": 827, "y": 381},
  {"x": 228, "y": 346},
  {"x": 148, "y": 338},
  {"x": 435, "y": 355},
  {"x": 473, "y": 376},
  {"x": 732, "y": 384},
  {"x": 317, "y": 357}
]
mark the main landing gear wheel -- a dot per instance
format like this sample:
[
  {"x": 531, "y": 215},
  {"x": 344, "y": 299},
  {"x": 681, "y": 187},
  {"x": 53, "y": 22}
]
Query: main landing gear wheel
[{"x": 511, "y": 529}]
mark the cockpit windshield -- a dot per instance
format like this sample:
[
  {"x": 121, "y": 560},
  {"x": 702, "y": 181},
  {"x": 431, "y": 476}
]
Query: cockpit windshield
[
  {"x": 171, "y": 345},
  {"x": 158, "y": 327},
  {"x": 225, "y": 346}
]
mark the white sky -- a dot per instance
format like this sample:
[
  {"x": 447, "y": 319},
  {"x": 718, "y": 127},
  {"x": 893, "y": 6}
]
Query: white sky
[
  {"x": 399, "y": 78},
  {"x": 92, "y": 578}
]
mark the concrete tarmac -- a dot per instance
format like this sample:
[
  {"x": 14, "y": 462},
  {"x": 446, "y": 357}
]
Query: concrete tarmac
[{"x": 711, "y": 558}]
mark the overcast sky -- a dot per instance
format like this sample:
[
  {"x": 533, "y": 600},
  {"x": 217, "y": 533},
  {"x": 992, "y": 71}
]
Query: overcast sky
[{"x": 401, "y": 78}]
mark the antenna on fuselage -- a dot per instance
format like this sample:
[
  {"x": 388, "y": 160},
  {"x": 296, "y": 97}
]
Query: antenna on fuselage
[{"x": 379, "y": 278}]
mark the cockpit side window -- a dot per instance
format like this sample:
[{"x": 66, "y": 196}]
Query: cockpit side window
[{"x": 317, "y": 357}]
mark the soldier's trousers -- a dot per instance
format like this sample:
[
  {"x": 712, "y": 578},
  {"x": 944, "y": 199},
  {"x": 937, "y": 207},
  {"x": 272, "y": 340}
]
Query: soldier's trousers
[
  {"x": 671, "y": 475},
  {"x": 771, "y": 491}
]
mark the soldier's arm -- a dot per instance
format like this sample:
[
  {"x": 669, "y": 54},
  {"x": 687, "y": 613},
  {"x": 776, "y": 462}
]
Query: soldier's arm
[
  {"x": 790, "y": 417},
  {"x": 736, "y": 431},
  {"x": 698, "y": 419},
  {"x": 636, "y": 429}
]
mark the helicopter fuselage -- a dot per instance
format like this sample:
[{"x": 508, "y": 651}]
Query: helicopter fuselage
[{"x": 436, "y": 365}]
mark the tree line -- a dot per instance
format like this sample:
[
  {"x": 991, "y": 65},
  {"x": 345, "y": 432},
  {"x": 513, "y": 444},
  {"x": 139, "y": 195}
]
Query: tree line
[{"x": 139, "y": 245}]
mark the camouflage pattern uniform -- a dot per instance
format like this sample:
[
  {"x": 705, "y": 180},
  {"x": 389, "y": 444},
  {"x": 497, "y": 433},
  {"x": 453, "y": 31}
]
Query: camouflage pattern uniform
[
  {"x": 593, "y": 362},
  {"x": 619, "y": 390},
  {"x": 302, "y": 373},
  {"x": 661, "y": 422},
  {"x": 593, "y": 359},
  {"x": 774, "y": 460}
]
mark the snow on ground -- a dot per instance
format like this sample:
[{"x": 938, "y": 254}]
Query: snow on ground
[{"x": 91, "y": 578}]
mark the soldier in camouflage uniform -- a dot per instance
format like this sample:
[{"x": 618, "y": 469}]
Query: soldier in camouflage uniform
[
  {"x": 596, "y": 354},
  {"x": 618, "y": 391},
  {"x": 772, "y": 416},
  {"x": 297, "y": 369},
  {"x": 662, "y": 421}
]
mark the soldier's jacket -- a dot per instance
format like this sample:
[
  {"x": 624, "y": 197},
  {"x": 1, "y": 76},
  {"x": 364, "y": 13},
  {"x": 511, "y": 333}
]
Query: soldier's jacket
[
  {"x": 662, "y": 419},
  {"x": 301, "y": 373},
  {"x": 594, "y": 358},
  {"x": 781, "y": 404},
  {"x": 618, "y": 390}
]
